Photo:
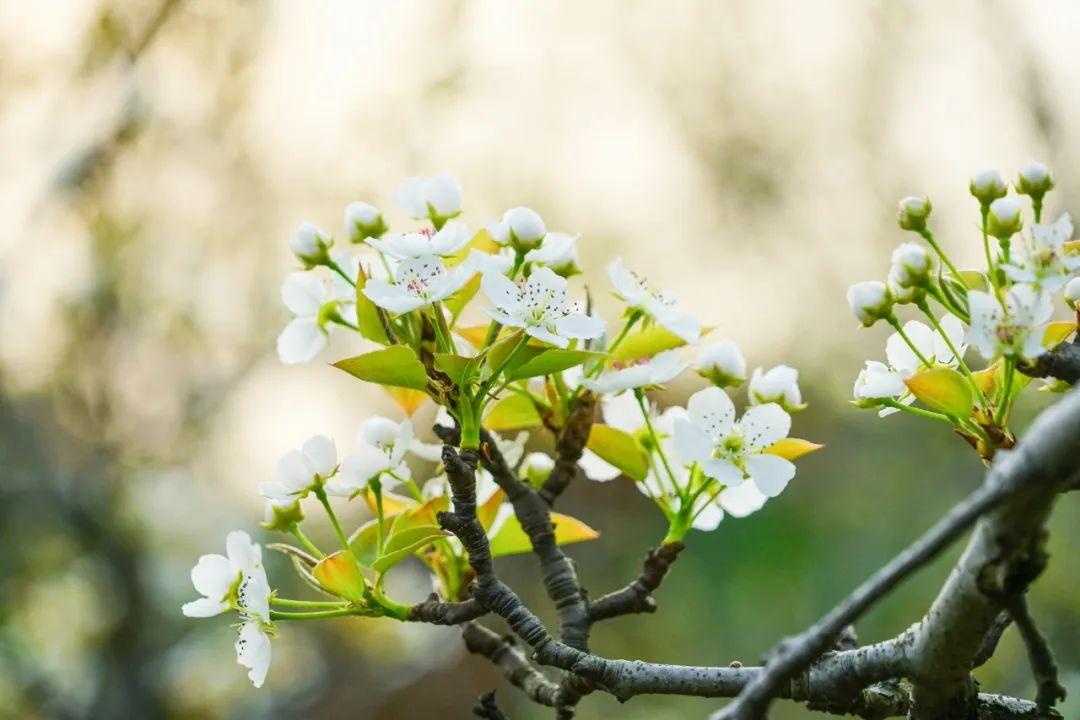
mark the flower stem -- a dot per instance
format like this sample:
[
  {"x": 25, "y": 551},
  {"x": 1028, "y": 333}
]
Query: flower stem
[
  {"x": 889, "y": 402},
  {"x": 938, "y": 295},
  {"x": 393, "y": 609},
  {"x": 376, "y": 488},
  {"x": 490, "y": 382},
  {"x": 929, "y": 237},
  {"x": 925, "y": 307},
  {"x": 337, "y": 268},
  {"x": 321, "y": 494},
  {"x": 640, "y": 395},
  {"x": 442, "y": 330},
  {"x": 276, "y": 615},
  {"x": 990, "y": 266},
  {"x": 286, "y": 602},
  {"x": 1006, "y": 392},
  {"x": 918, "y": 353},
  {"x": 308, "y": 545}
]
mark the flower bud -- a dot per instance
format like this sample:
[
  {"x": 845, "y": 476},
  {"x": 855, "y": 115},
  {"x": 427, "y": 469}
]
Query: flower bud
[
  {"x": 1072, "y": 292},
  {"x": 536, "y": 468},
  {"x": 870, "y": 301},
  {"x": 903, "y": 294},
  {"x": 722, "y": 363},
  {"x": 987, "y": 186},
  {"x": 910, "y": 265},
  {"x": 913, "y": 212},
  {"x": 436, "y": 198},
  {"x": 310, "y": 245},
  {"x": 779, "y": 385},
  {"x": 363, "y": 221},
  {"x": 521, "y": 227},
  {"x": 1035, "y": 180},
  {"x": 1004, "y": 218},
  {"x": 282, "y": 517}
]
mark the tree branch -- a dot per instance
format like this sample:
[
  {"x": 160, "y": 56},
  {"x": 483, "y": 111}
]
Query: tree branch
[
  {"x": 569, "y": 446},
  {"x": 505, "y": 653},
  {"x": 438, "y": 612},
  {"x": 1063, "y": 363},
  {"x": 487, "y": 708},
  {"x": 637, "y": 596},
  {"x": 1039, "y": 654}
]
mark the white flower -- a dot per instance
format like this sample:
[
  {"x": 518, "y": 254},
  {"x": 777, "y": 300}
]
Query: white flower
[
  {"x": 738, "y": 501},
  {"x": 660, "y": 369},
  {"x": 778, "y": 385},
  {"x": 310, "y": 244},
  {"x": 363, "y": 221},
  {"x": 237, "y": 581},
  {"x": 913, "y": 211},
  {"x": 1034, "y": 179},
  {"x": 1041, "y": 261},
  {"x": 728, "y": 450},
  {"x": 1072, "y": 290},
  {"x": 870, "y": 301},
  {"x": 521, "y": 227},
  {"x": 539, "y": 307},
  {"x": 558, "y": 251},
  {"x": 657, "y": 305},
  {"x": 452, "y": 237},
  {"x": 910, "y": 265},
  {"x": 930, "y": 343},
  {"x": 420, "y": 282},
  {"x": 1015, "y": 331},
  {"x": 299, "y": 470},
  {"x": 722, "y": 363},
  {"x": 435, "y": 197},
  {"x": 988, "y": 186},
  {"x": 304, "y": 293},
  {"x": 1004, "y": 218},
  {"x": 381, "y": 447},
  {"x": 876, "y": 381}
]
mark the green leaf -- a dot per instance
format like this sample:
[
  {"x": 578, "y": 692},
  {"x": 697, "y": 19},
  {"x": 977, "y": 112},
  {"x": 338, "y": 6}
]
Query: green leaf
[
  {"x": 396, "y": 366},
  {"x": 944, "y": 390},
  {"x": 512, "y": 412},
  {"x": 502, "y": 349},
  {"x": 510, "y": 539},
  {"x": 619, "y": 449},
  {"x": 550, "y": 361},
  {"x": 401, "y": 545},
  {"x": 647, "y": 341},
  {"x": 974, "y": 279},
  {"x": 367, "y": 314},
  {"x": 339, "y": 574},
  {"x": 457, "y": 367},
  {"x": 364, "y": 542}
]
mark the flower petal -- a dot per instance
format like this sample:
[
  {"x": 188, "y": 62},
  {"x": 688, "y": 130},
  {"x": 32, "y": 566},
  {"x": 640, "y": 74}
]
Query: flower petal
[
  {"x": 300, "y": 341},
  {"x": 723, "y": 471},
  {"x": 712, "y": 410},
  {"x": 596, "y": 468},
  {"x": 691, "y": 442},
  {"x": 502, "y": 292},
  {"x": 742, "y": 500},
  {"x": 303, "y": 293},
  {"x": 770, "y": 473},
  {"x": 245, "y": 556},
  {"x": 204, "y": 608},
  {"x": 763, "y": 425},
  {"x": 579, "y": 326},
  {"x": 295, "y": 471},
  {"x": 212, "y": 576},
  {"x": 321, "y": 453},
  {"x": 253, "y": 652},
  {"x": 391, "y": 297}
]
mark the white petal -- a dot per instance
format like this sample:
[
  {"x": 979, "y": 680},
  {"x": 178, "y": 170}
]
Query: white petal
[
  {"x": 358, "y": 468},
  {"x": 321, "y": 453},
  {"x": 295, "y": 471},
  {"x": 502, "y": 292},
  {"x": 621, "y": 411},
  {"x": 627, "y": 286},
  {"x": 300, "y": 341},
  {"x": 390, "y": 297},
  {"x": 204, "y": 608},
  {"x": 213, "y": 575},
  {"x": 444, "y": 194},
  {"x": 691, "y": 442},
  {"x": 303, "y": 293},
  {"x": 244, "y": 555},
  {"x": 450, "y": 239},
  {"x": 580, "y": 326},
  {"x": 763, "y": 425},
  {"x": 542, "y": 333},
  {"x": 708, "y": 517},
  {"x": 253, "y": 652},
  {"x": 1033, "y": 346},
  {"x": 723, "y": 471},
  {"x": 770, "y": 473},
  {"x": 686, "y": 327},
  {"x": 410, "y": 197},
  {"x": 954, "y": 331},
  {"x": 666, "y": 366},
  {"x": 712, "y": 410},
  {"x": 276, "y": 492},
  {"x": 596, "y": 468},
  {"x": 742, "y": 500},
  {"x": 401, "y": 443},
  {"x": 432, "y": 452}
]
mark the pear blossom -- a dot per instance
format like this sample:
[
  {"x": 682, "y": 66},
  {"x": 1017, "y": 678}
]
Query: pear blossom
[
  {"x": 310, "y": 244},
  {"x": 1072, "y": 291},
  {"x": 521, "y": 227},
  {"x": 363, "y": 221},
  {"x": 446, "y": 241},
  {"x": 313, "y": 305},
  {"x": 987, "y": 186},
  {"x": 778, "y": 385},
  {"x": 1041, "y": 261},
  {"x": 913, "y": 211},
  {"x": 299, "y": 470},
  {"x": 657, "y": 305},
  {"x": 729, "y": 450},
  {"x": 558, "y": 251},
  {"x": 419, "y": 282},
  {"x": 910, "y": 265},
  {"x": 1016, "y": 331},
  {"x": 712, "y": 506},
  {"x": 930, "y": 343},
  {"x": 1004, "y": 217},
  {"x": 381, "y": 448},
  {"x": 870, "y": 301},
  {"x": 437, "y": 197},
  {"x": 661, "y": 368},
  {"x": 539, "y": 307},
  {"x": 237, "y": 581},
  {"x": 722, "y": 363},
  {"x": 876, "y": 381}
]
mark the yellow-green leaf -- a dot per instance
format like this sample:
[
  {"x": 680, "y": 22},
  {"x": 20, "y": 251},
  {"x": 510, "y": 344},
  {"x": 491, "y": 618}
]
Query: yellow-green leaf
[
  {"x": 455, "y": 366},
  {"x": 365, "y": 541},
  {"x": 367, "y": 314},
  {"x": 512, "y": 412},
  {"x": 510, "y": 539},
  {"x": 619, "y": 449},
  {"x": 942, "y": 389},
  {"x": 486, "y": 513},
  {"x": 974, "y": 279},
  {"x": 792, "y": 448},
  {"x": 1072, "y": 247},
  {"x": 549, "y": 362},
  {"x": 986, "y": 378},
  {"x": 396, "y": 366},
  {"x": 1057, "y": 333},
  {"x": 646, "y": 342},
  {"x": 475, "y": 334},
  {"x": 408, "y": 400},
  {"x": 340, "y": 575},
  {"x": 401, "y": 545}
]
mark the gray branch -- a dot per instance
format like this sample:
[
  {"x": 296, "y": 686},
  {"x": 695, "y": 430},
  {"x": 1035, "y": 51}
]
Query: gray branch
[
  {"x": 1039, "y": 655},
  {"x": 505, "y": 653}
]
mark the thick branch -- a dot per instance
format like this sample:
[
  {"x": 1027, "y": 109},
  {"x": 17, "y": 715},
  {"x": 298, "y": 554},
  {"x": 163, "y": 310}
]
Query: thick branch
[
  {"x": 437, "y": 612},
  {"x": 950, "y": 636},
  {"x": 637, "y": 596},
  {"x": 1063, "y": 363},
  {"x": 1039, "y": 654},
  {"x": 504, "y": 652},
  {"x": 487, "y": 708},
  {"x": 569, "y": 446}
]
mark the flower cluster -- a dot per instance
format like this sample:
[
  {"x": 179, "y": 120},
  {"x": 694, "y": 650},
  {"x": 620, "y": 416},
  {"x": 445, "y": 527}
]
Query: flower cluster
[
  {"x": 488, "y": 325},
  {"x": 1003, "y": 310}
]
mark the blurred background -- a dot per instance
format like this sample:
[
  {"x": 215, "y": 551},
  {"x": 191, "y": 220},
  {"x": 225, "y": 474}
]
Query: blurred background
[{"x": 156, "y": 155}]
